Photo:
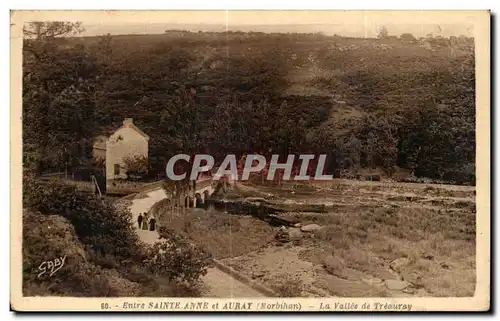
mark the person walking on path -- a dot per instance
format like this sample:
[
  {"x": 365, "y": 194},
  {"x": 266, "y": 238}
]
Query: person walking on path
[
  {"x": 152, "y": 223},
  {"x": 139, "y": 220},
  {"x": 145, "y": 222}
]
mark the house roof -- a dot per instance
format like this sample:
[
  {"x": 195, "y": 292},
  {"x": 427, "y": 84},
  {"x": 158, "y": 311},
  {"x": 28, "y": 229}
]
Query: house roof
[
  {"x": 134, "y": 127},
  {"x": 100, "y": 141}
]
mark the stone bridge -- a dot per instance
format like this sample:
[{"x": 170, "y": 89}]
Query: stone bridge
[
  {"x": 198, "y": 193},
  {"x": 203, "y": 189}
]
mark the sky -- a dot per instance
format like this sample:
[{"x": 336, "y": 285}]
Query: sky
[{"x": 344, "y": 23}]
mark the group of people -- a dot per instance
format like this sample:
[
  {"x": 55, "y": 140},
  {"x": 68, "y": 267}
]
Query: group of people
[{"x": 144, "y": 223}]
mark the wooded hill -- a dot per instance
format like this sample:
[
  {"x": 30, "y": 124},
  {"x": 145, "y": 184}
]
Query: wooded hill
[{"x": 388, "y": 103}]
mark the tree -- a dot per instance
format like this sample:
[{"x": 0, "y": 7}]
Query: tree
[
  {"x": 52, "y": 80},
  {"x": 408, "y": 37},
  {"x": 104, "y": 50},
  {"x": 100, "y": 225},
  {"x": 378, "y": 134},
  {"x": 41, "y": 30},
  {"x": 59, "y": 106},
  {"x": 383, "y": 33},
  {"x": 136, "y": 166},
  {"x": 177, "y": 259}
]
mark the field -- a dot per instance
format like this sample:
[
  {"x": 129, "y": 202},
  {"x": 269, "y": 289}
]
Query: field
[{"x": 375, "y": 239}]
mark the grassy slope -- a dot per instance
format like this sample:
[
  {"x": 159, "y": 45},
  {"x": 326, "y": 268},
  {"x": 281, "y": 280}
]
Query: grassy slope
[{"x": 84, "y": 274}]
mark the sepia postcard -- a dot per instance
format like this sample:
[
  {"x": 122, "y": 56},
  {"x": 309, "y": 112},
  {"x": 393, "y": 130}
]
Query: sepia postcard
[{"x": 248, "y": 161}]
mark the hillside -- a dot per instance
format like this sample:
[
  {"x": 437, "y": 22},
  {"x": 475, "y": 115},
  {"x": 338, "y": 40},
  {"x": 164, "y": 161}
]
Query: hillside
[
  {"x": 54, "y": 237},
  {"x": 75, "y": 244},
  {"x": 389, "y": 103}
]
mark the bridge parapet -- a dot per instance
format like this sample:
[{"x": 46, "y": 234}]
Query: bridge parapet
[{"x": 203, "y": 189}]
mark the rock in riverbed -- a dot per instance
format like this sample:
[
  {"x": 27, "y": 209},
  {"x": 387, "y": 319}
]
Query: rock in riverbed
[
  {"x": 399, "y": 263},
  {"x": 285, "y": 235},
  {"x": 396, "y": 284},
  {"x": 332, "y": 264},
  {"x": 310, "y": 228},
  {"x": 282, "y": 235},
  {"x": 294, "y": 234}
]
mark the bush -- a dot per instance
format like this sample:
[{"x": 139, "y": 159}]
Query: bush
[
  {"x": 288, "y": 287},
  {"x": 97, "y": 223},
  {"x": 103, "y": 254},
  {"x": 47, "y": 237},
  {"x": 177, "y": 259},
  {"x": 137, "y": 166}
]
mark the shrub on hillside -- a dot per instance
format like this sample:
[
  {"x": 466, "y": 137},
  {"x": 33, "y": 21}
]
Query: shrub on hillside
[
  {"x": 288, "y": 287},
  {"x": 97, "y": 223},
  {"x": 177, "y": 259},
  {"x": 103, "y": 254},
  {"x": 49, "y": 237}
]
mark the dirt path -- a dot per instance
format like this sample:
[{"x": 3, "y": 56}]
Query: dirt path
[{"x": 217, "y": 283}]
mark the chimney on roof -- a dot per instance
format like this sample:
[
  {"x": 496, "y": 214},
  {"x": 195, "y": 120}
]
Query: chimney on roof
[{"x": 128, "y": 121}]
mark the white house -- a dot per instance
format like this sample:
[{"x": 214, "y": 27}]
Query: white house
[{"x": 126, "y": 141}]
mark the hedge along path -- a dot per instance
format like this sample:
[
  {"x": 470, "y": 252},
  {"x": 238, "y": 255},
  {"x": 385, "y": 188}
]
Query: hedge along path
[{"x": 220, "y": 281}]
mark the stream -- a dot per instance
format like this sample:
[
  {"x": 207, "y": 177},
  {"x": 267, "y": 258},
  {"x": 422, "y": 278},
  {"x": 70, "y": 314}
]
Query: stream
[{"x": 261, "y": 208}]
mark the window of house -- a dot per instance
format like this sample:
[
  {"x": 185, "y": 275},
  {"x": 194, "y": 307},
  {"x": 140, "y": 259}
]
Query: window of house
[{"x": 117, "y": 169}]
